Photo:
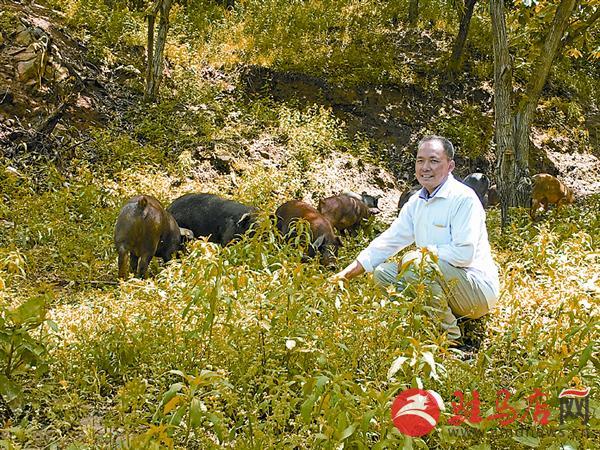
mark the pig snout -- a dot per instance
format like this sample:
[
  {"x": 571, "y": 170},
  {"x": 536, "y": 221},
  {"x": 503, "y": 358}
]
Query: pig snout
[{"x": 186, "y": 235}]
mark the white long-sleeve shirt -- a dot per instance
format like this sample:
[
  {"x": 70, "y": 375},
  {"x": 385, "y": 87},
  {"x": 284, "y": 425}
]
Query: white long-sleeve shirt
[{"x": 451, "y": 224}]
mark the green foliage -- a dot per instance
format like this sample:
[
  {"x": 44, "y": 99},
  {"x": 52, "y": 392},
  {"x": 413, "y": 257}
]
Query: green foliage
[
  {"x": 265, "y": 348},
  {"x": 309, "y": 134},
  {"x": 8, "y": 21},
  {"x": 254, "y": 317},
  {"x": 64, "y": 230},
  {"x": 109, "y": 28},
  {"x": 172, "y": 126},
  {"x": 314, "y": 128},
  {"x": 471, "y": 131},
  {"x": 245, "y": 346},
  {"x": 20, "y": 351},
  {"x": 320, "y": 38},
  {"x": 306, "y": 137},
  {"x": 197, "y": 20},
  {"x": 183, "y": 405}
]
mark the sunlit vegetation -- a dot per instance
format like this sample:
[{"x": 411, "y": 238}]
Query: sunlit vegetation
[{"x": 246, "y": 346}]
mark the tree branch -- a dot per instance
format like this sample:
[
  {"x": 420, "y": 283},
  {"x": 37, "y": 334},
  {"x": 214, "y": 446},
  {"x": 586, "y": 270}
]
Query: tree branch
[
  {"x": 582, "y": 28},
  {"x": 544, "y": 61}
]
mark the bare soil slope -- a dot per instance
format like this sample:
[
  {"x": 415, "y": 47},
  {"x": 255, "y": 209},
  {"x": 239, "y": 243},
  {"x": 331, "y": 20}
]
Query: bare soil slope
[{"x": 50, "y": 93}]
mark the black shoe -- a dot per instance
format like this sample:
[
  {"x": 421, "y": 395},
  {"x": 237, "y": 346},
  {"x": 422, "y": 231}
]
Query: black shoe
[{"x": 463, "y": 350}]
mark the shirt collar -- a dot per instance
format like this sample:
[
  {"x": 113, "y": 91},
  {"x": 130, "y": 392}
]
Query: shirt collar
[{"x": 441, "y": 191}]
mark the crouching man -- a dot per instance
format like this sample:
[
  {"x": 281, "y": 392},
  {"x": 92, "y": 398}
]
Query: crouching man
[{"x": 447, "y": 218}]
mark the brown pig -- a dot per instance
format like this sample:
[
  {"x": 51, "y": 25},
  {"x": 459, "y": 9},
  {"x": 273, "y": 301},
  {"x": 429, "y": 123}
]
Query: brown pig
[
  {"x": 493, "y": 198},
  {"x": 143, "y": 230},
  {"x": 344, "y": 211},
  {"x": 548, "y": 189},
  {"x": 324, "y": 241}
]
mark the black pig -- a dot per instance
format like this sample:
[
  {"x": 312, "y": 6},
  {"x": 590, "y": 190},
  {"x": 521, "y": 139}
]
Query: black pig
[
  {"x": 211, "y": 215},
  {"x": 480, "y": 183},
  {"x": 406, "y": 195}
]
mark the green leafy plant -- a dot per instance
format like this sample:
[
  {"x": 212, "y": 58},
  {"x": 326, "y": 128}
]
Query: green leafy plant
[
  {"x": 20, "y": 351},
  {"x": 183, "y": 405}
]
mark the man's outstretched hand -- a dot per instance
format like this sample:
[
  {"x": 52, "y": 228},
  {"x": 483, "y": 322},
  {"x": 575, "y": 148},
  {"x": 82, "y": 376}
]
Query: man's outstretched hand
[
  {"x": 335, "y": 279},
  {"x": 353, "y": 270}
]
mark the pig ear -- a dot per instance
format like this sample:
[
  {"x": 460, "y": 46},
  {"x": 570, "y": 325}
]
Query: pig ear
[
  {"x": 318, "y": 242},
  {"x": 186, "y": 233}
]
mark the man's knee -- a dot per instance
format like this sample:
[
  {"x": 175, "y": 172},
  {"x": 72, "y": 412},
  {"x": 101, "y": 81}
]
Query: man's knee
[
  {"x": 385, "y": 274},
  {"x": 464, "y": 297},
  {"x": 447, "y": 269}
]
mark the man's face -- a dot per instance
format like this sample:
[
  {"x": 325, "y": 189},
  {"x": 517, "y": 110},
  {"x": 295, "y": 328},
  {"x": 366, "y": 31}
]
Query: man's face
[{"x": 432, "y": 165}]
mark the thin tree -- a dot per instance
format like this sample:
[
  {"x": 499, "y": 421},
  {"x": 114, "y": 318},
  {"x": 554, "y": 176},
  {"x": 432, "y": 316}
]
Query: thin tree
[
  {"x": 155, "y": 52},
  {"x": 413, "y": 12},
  {"x": 506, "y": 167},
  {"x": 458, "y": 48}
]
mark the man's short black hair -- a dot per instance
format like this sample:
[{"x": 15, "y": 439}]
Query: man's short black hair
[{"x": 448, "y": 147}]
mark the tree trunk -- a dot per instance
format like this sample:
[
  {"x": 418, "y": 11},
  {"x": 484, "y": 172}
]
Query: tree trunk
[
  {"x": 150, "y": 58},
  {"x": 512, "y": 134},
  {"x": 163, "y": 28},
  {"x": 155, "y": 53},
  {"x": 529, "y": 102},
  {"x": 413, "y": 12},
  {"x": 458, "y": 48},
  {"x": 505, "y": 167}
]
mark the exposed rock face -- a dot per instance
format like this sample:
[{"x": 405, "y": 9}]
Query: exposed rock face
[
  {"x": 31, "y": 61},
  {"x": 33, "y": 56},
  {"x": 46, "y": 77}
]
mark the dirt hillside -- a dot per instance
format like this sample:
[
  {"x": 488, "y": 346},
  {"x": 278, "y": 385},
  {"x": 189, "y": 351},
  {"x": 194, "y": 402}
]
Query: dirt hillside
[{"x": 51, "y": 93}]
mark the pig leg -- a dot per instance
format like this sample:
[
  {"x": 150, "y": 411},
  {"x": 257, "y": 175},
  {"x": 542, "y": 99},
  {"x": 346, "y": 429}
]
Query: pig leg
[
  {"x": 284, "y": 228},
  {"x": 133, "y": 262},
  {"x": 559, "y": 203},
  {"x": 143, "y": 264},
  {"x": 545, "y": 205},
  {"x": 146, "y": 255},
  {"x": 535, "y": 204},
  {"x": 123, "y": 264},
  {"x": 353, "y": 230}
]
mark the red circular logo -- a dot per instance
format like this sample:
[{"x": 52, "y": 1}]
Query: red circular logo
[{"x": 415, "y": 412}]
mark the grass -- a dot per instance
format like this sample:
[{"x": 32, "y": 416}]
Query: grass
[{"x": 245, "y": 346}]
